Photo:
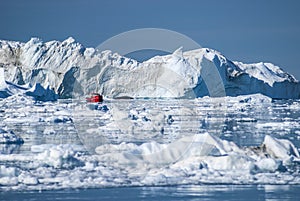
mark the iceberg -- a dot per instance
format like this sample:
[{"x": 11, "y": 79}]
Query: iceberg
[
  {"x": 41, "y": 94},
  {"x": 72, "y": 70},
  {"x": 3, "y": 86},
  {"x": 37, "y": 91}
]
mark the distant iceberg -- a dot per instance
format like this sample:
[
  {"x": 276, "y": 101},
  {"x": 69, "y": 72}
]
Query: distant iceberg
[{"x": 70, "y": 70}]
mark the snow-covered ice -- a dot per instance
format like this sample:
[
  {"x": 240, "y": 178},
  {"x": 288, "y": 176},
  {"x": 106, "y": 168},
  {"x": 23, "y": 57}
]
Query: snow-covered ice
[
  {"x": 69, "y": 144},
  {"x": 37, "y": 91},
  {"x": 71, "y": 69}
]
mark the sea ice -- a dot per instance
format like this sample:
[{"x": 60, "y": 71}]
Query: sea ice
[
  {"x": 9, "y": 137},
  {"x": 53, "y": 158}
]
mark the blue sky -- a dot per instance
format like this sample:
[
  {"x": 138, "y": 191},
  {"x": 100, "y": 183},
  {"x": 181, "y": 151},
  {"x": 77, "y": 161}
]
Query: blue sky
[{"x": 247, "y": 31}]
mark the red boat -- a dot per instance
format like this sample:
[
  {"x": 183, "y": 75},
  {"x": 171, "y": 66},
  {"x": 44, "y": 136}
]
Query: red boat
[{"x": 95, "y": 98}]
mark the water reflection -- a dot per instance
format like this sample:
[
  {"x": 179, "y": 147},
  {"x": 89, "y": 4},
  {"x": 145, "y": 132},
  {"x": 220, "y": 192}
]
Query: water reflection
[
  {"x": 171, "y": 193},
  {"x": 224, "y": 192}
]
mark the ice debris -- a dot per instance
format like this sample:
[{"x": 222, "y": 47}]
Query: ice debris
[{"x": 9, "y": 137}]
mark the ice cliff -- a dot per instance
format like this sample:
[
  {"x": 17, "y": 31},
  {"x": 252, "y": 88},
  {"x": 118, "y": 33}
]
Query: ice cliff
[
  {"x": 37, "y": 92},
  {"x": 71, "y": 69}
]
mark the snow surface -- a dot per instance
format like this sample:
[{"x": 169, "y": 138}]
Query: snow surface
[{"x": 71, "y": 70}]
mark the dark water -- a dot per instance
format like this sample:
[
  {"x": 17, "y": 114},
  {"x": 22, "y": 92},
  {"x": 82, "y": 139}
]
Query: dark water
[{"x": 201, "y": 192}]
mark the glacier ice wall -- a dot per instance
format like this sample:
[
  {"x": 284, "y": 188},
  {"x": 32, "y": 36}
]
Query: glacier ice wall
[{"x": 71, "y": 69}]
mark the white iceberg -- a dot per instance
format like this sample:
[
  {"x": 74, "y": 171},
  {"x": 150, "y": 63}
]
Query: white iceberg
[
  {"x": 71, "y": 69},
  {"x": 37, "y": 91}
]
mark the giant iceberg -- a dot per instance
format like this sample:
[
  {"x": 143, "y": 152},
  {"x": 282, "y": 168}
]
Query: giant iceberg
[{"x": 71, "y": 69}]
